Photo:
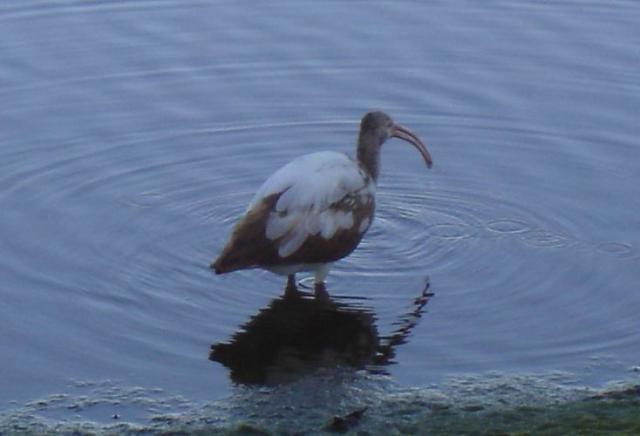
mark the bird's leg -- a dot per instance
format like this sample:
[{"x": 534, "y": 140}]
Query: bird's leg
[
  {"x": 320, "y": 291},
  {"x": 291, "y": 285},
  {"x": 320, "y": 274}
]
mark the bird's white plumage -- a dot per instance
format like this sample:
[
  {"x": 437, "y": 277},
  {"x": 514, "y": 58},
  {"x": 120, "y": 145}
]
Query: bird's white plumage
[{"x": 309, "y": 185}]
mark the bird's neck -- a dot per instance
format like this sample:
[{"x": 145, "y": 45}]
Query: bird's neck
[{"x": 369, "y": 154}]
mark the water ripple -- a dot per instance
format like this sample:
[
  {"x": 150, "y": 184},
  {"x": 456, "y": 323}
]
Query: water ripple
[
  {"x": 137, "y": 132},
  {"x": 18, "y": 11},
  {"x": 416, "y": 231}
]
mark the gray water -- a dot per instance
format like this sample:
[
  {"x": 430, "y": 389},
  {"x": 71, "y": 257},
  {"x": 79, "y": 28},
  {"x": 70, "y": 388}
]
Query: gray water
[{"x": 133, "y": 134}]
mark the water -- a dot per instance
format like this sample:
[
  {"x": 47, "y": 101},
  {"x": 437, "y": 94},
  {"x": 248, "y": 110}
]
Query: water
[{"x": 134, "y": 134}]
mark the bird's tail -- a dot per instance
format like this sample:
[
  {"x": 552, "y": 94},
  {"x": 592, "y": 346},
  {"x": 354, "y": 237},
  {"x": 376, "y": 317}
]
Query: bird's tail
[
  {"x": 228, "y": 261},
  {"x": 218, "y": 266},
  {"x": 247, "y": 244},
  {"x": 221, "y": 265}
]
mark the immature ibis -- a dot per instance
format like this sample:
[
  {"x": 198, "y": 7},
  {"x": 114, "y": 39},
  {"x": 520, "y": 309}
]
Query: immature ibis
[{"x": 314, "y": 210}]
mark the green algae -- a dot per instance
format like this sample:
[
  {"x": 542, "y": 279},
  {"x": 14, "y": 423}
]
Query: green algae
[{"x": 605, "y": 414}]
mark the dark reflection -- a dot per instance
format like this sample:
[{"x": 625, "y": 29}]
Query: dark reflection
[{"x": 300, "y": 332}]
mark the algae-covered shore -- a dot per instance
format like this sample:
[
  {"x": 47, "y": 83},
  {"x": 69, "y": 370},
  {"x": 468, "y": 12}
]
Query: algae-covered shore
[
  {"x": 615, "y": 412},
  {"x": 498, "y": 406}
]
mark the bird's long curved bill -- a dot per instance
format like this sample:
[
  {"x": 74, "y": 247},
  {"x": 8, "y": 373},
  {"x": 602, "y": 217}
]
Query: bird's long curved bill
[{"x": 403, "y": 133}]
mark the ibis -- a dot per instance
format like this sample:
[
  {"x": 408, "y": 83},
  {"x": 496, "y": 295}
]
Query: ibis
[{"x": 314, "y": 210}]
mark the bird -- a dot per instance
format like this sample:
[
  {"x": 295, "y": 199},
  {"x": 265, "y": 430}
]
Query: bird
[{"x": 314, "y": 210}]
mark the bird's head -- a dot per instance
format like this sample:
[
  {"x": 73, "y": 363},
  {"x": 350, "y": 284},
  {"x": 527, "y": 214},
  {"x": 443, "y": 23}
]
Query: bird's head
[{"x": 377, "y": 127}]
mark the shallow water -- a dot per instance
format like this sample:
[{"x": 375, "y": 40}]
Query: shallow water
[{"x": 134, "y": 134}]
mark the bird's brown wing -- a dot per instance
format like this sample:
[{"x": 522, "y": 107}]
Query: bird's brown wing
[
  {"x": 318, "y": 249},
  {"x": 250, "y": 247}
]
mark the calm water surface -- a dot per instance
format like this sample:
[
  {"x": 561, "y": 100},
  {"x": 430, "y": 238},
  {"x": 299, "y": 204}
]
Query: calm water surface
[{"x": 132, "y": 135}]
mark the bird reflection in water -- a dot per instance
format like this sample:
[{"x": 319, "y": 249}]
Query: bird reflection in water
[{"x": 300, "y": 332}]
